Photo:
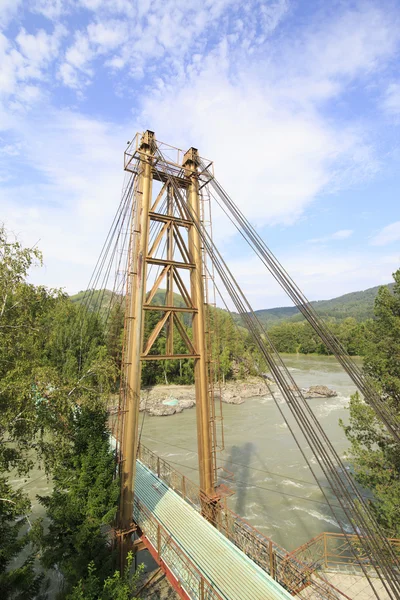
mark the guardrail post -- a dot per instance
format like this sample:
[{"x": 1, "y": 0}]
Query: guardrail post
[
  {"x": 183, "y": 486},
  {"x": 158, "y": 540},
  {"x": 271, "y": 560},
  {"x": 158, "y": 466},
  {"x": 325, "y": 551}
]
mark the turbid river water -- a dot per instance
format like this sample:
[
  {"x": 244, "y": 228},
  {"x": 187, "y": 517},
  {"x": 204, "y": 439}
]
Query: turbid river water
[{"x": 274, "y": 488}]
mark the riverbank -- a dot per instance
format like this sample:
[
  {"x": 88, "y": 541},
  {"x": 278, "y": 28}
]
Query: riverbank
[
  {"x": 165, "y": 400},
  {"x": 274, "y": 488}
]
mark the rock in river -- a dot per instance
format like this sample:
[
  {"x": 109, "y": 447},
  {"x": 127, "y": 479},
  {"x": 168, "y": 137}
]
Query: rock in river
[
  {"x": 319, "y": 391},
  {"x": 165, "y": 400}
]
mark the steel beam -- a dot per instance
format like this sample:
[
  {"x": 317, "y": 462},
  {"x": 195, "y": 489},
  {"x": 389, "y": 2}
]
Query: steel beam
[
  {"x": 183, "y": 309},
  {"x": 174, "y": 263},
  {"x": 168, "y": 356},
  {"x": 204, "y": 439},
  {"x": 150, "y": 165},
  {"x": 135, "y": 342},
  {"x": 166, "y": 218}
]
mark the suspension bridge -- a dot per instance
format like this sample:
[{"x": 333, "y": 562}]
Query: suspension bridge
[{"x": 164, "y": 226}]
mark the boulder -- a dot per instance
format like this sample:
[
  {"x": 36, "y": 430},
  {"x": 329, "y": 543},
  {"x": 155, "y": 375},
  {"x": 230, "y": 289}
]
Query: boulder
[
  {"x": 165, "y": 400},
  {"x": 319, "y": 391}
]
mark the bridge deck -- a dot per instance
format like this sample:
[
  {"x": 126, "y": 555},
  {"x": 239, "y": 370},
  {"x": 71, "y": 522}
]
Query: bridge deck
[{"x": 230, "y": 572}]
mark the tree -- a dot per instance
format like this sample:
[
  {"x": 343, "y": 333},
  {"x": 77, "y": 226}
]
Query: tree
[
  {"x": 21, "y": 308},
  {"x": 83, "y": 501},
  {"x": 21, "y": 582},
  {"x": 114, "y": 331},
  {"x": 53, "y": 364},
  {"x": 115, "y": 587},
  {"x": 73, "y": 337},
  {"x": 376, "y": 456}
]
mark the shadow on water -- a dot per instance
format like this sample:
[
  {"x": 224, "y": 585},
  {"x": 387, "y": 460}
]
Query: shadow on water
[
  {"x": 241, "y": 455},
  {"x": 285, "y": 500},
  {"x": 239, "y": 462}
]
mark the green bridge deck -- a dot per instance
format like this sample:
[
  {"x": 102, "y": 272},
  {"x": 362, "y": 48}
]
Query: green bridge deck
[{"x": 230, "y": 574}]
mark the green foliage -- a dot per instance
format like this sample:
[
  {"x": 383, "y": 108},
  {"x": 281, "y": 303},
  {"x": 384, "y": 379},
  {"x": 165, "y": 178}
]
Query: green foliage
[
  {"x": 22, "y": 308},
  {"x": 357, "y": 305},
  {"x": 376, "y": 456},
  {"x": 300, "y": 337},
  {"x": 114, "y": 587},
  {"x": 114, "y": 332},
  {"x": 73, "y": 338},
  {"x": 52, "y": 354},
  {"x": 53, "y": 364},
  {"x": 349, "y": 318},
  {"x": 232, "y": 349},
  {"x": 94, "y": 301},
  {"x": 83, "y": 500},
  {"x": 17, "y": 582}
]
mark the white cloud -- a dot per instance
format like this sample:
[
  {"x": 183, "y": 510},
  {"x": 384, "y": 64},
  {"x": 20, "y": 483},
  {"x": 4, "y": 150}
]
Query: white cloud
[
  {"x": 391, "y": 102},
  {"x": 75, "y": 71},
  {"x": 387, "y": 235},
  {"x": 79, "y": 54},
  {"x": 8, "y": 8},
  {"x": 27, "y": 59},
  {"x": 109, "y": 6},
  {"x": 109, "y": 35},
  {"x": 79, "y": 161},
  {"x": 354, "y": 42},
  {"x": 100, "y": 38},
  {"x": 166, "y": 34},
  {"x": 259, "y": 118},
  {"x": 342, "y": 234},
  {"x": 212, "y": 79},
  {"x": 330, "y": 52},
  {"x": 51, "y": 9},
  {"x": 272, "y": 156},
  {"x": 320, "y": 276},
  {"x": 40, "y": 49}
]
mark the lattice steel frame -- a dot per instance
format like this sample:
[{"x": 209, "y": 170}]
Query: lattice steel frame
[{"x": 142, "y": 159}]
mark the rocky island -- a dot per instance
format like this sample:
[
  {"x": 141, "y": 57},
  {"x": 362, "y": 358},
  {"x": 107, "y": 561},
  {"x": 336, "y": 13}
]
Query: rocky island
[{"x": 165, "y": 400}]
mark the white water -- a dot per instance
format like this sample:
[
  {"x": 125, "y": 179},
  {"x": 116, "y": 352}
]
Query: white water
[{"x": 274, "y": 489}]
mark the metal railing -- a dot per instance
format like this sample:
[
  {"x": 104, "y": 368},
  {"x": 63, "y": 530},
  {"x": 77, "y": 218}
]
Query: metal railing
[
  {"x": 288, "y": 569},
  {"x": 336, "y": 551},
  {"x": 169, "y": 553}
]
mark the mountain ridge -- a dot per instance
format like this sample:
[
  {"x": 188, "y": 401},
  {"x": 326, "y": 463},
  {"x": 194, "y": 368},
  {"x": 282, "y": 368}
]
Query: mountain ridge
[{"x": 359, "y": 305}]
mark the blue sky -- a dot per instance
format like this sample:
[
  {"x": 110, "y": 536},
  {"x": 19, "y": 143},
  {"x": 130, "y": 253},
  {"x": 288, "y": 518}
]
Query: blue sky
[{"x": 297, "y": 103}]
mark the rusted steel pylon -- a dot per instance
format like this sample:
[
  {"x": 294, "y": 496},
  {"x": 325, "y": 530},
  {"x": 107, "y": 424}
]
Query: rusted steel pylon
[{"x": 164, "y": 236}]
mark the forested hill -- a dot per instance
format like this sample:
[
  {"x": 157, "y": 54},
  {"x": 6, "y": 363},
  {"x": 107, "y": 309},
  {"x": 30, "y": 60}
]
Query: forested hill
[
  {"x": 359, "y": 305},
  {"x": 99, "y": 300}
]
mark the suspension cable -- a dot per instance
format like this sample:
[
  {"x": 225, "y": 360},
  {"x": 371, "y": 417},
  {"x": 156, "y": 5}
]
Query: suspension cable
[{"x": 326, "y": 456}]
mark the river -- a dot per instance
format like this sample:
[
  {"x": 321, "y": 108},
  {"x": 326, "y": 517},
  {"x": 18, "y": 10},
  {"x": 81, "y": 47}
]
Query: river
[{"x": 274, "y": 488}]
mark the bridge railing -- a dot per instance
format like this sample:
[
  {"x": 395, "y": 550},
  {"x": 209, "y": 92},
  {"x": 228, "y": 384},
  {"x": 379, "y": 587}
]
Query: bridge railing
[
  {"x": 175, "y": 480},
  {"x": 336, "y": 551},
  {"x": 289, "y": 570},
  {"x": 170, "y": 555}
]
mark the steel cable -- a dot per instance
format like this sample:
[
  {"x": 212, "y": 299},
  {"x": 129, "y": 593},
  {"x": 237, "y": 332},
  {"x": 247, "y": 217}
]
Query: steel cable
[
  {"x": 297, "y": 410},
  {"x": 371, "y": 396}
]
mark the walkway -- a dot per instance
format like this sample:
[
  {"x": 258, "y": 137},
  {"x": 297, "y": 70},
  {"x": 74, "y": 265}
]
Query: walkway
[{"x": 230, "y": 573}]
